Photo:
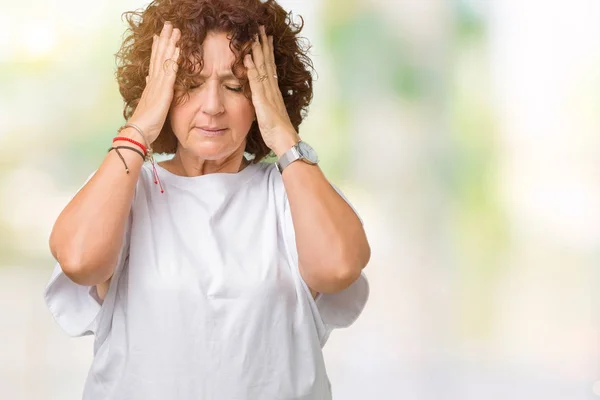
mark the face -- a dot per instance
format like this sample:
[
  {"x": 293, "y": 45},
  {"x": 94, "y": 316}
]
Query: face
[{"x": 214, "y": 122}]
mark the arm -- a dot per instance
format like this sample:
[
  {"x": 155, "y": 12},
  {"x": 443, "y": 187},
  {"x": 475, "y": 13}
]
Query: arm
[
  {"x": 88, "y": 234},
  {"x": 332, "y": 246},
  {"x": 331, "y": 242}
]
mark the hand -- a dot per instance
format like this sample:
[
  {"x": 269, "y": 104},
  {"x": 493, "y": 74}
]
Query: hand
[
  {"x": 273, "y": 120},
  {"x": 153, "y": 107}
]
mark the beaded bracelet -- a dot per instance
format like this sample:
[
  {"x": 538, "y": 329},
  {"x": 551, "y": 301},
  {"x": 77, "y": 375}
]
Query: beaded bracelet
[
  {"x": 148, "y": 153},
  {"x": 137, "y": 128},
  {"x": 141, "y": 146}
]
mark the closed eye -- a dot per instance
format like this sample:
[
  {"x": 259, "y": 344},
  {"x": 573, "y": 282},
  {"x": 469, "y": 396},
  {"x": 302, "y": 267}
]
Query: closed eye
[{"x": 233, "y": 89}]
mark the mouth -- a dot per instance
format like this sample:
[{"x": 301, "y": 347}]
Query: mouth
[{"x": 211, "y": 131}]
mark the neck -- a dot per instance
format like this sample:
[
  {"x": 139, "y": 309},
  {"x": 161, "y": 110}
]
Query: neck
[{"x": 186, "y": 165}]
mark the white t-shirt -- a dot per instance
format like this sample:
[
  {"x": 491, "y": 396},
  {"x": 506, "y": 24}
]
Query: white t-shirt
[{"x": 207, "y": 301}]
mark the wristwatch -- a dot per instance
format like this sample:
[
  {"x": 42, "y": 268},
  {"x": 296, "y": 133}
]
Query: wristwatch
[{"x": 300, "y": 151}]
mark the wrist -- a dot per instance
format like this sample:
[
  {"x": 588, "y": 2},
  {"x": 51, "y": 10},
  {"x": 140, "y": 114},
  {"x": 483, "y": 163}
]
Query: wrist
[
  {"x": 122, "y": 140},
  {"x": 285, "y": 143},
  {"x": 132, "y": 133},
  {"x": 141, "y": 131}
]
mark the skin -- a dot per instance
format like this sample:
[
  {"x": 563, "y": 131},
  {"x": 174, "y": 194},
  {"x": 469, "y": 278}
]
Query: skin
[
  {"x": 216, "y": 101},
  {"x": 331, "y": 242}
]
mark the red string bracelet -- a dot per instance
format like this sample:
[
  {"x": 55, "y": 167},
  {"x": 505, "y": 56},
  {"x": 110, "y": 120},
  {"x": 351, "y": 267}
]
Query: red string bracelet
[
  {"x": 146, "y": 156},
  {"x": 144, "y": 149}
]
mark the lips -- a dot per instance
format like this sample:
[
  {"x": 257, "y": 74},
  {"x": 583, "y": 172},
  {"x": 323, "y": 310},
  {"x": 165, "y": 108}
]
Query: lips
[{"x": 211, "y": 130}]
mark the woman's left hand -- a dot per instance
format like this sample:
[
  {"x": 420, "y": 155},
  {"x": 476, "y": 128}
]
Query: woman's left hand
[{"x": 273, "y": 120}]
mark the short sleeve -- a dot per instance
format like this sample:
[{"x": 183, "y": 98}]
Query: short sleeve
[
  {"x": 340, "y": 310},
  {"x": 76, "y": 307},
  {"x": 335, "y": 310}
]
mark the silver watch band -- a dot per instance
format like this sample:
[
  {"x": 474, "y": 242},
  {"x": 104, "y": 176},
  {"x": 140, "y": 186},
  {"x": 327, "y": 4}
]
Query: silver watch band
[{"x": 287, "y": 158}]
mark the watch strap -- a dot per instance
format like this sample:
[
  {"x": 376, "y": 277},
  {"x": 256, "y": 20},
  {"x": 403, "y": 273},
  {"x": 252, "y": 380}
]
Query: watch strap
[{"x": 288, "y": 157}]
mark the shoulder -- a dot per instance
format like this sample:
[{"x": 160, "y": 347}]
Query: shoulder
[
  {"x": 267, "y": 171},
  {"x": 267, "y": 175}
]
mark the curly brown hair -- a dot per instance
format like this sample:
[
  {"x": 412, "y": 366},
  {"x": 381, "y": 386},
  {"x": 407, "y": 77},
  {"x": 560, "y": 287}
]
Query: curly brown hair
[{"x": 240, "y": 19}]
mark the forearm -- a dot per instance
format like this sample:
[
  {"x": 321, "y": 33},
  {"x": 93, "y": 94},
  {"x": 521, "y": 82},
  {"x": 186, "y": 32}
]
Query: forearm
[
  {"x": 331, "y": 242},
  {"x": 88, "y": 234}
]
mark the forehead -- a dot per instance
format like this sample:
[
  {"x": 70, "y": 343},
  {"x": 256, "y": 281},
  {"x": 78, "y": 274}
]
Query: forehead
[
  {"x": 216, "y": 44},
  {"x": 217, "y": 56}
]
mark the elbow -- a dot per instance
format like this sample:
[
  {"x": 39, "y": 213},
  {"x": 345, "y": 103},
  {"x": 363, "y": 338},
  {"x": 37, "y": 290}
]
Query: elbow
[
  {"x": 346, "y": 277},
  {"x": 353, "y": 260},
  {"x": 333, "y": 272},
  {"x": 86, "y": 275},
  {"x": 69, "y": 263},
  {"x": 346, "y": 271},
  {"x": 335, "y": 280},
  {"x": 78, "y": 273},
  {"x": 81, "y": 272},
  {"x": 350, "y": 266},
  {"x": 364, "y": 255},
  {"x": 77, "y": 267}
]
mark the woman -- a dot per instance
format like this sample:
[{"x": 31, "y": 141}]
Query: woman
[{"x": 211, "y": 275}]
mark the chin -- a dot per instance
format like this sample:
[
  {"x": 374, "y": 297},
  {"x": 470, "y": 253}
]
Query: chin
[{"x": 212, "y": 150}]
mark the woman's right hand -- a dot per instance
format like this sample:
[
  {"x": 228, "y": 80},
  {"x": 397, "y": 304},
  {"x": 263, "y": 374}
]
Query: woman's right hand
[{"x": 153, "y": 107}]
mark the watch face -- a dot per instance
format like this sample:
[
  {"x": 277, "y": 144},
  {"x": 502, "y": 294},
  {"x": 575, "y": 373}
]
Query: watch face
[{"x": 308, "y": 152}]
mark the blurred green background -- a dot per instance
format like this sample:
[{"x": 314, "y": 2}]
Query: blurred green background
[{"x": 466, "y": 133}]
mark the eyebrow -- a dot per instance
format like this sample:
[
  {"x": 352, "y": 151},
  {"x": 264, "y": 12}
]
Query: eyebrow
[{"x": 223, "y": 75}]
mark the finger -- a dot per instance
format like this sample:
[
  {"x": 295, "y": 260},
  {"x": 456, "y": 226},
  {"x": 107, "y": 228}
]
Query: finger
[
  {"x": 257, "y": 88},
  {"x": 270, "y": 64},
  {"x": 271, "y": 69},
  {"x": 259, "y": 62},
  {"x": 258, "y": 57},
  {"x": 175, "y": 36},
  {"x": 266, "y": 47},
  {"x": 170, "y": 51},
  {"x": 153, "y": 54},
  {"x": 262, "y": 51},
  {"x": 272, "y": 76},
  {"x": 176, "y": 54},
  {"x": 163, "y": 43},
  {"x": 272, "y": 51},
  {"x": 270, "y": 57},
  {"x": 174, "y": 63}
]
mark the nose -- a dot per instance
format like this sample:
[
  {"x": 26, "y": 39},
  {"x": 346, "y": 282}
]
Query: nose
[{"x": 212, "y": 104}]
